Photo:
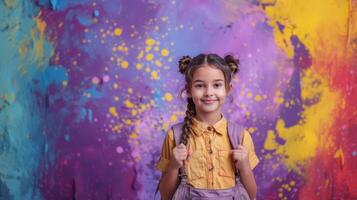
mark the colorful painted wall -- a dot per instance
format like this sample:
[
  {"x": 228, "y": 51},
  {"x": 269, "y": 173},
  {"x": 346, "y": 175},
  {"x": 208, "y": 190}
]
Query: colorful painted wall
[{"x": 88, "y": 89}]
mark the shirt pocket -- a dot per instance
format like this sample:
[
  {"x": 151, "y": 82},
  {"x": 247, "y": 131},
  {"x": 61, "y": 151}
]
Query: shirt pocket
[
  {"x": 196, "y": 166},
  {"x": 225, "y": 162}
]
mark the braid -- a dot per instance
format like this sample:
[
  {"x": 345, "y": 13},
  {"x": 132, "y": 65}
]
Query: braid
[{"x": 187, "y": 126}]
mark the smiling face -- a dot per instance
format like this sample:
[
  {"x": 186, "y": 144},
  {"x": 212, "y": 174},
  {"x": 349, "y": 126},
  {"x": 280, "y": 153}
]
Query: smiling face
[{"x": 208, "y": 90}]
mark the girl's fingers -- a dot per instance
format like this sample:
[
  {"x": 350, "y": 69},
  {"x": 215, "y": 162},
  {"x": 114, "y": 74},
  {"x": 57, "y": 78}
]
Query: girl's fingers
[
  {"x": 240, "y": 148},
  {"x": 181, "y": 146}
]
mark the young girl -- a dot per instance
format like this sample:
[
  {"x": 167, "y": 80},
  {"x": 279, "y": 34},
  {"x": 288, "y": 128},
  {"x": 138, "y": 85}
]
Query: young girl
[{"x": 202, "y": 163}]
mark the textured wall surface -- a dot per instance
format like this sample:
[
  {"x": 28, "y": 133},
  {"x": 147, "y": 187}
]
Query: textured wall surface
[{"x": 89, "y": 88}]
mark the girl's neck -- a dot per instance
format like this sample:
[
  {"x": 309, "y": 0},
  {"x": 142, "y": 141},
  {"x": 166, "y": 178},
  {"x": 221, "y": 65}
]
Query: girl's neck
[{"x": 209, "y": 119}]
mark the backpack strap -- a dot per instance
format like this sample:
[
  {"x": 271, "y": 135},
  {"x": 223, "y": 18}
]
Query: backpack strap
[
  {"x": 235, "y": 137},
  {"x": 177, "y": 129},
  {"x": 235, "y": 134}
]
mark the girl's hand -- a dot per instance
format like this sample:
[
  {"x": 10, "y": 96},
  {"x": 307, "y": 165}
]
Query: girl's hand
[
  {"x": 179, "y": 155},
  {"x": 241, "y": 158}
]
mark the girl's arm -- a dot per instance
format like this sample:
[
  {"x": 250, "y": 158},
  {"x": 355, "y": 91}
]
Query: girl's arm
[
  {"x": 169, "y": 179},
  {"x": 248, "y": 181},
  {"x": 168, "y": 183}
]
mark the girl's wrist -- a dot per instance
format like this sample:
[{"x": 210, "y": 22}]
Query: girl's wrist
[
  {"x": 243, "y": 167},
  {"x": 173, "y": 165}
]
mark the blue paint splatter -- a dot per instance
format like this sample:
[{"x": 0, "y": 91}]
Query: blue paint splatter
[{"x": 96, "y": 13}]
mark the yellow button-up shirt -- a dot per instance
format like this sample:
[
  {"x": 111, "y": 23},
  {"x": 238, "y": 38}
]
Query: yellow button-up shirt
[{"x": 209, "y": 164}]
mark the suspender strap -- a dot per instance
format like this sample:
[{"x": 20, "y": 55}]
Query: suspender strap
[
  {"x": 177, "y": 129},
  {"x": 235, "y": 134}
]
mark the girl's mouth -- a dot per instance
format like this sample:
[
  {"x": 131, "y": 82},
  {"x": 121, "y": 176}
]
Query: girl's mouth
[{"x": 208, "y": 101}]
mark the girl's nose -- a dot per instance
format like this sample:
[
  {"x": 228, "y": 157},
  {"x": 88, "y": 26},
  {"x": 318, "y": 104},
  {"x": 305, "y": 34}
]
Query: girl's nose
[{"x": 209, "y": 91}]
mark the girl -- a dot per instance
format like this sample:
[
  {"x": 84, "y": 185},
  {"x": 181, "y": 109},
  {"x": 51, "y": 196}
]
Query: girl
[{"x": 198, "y": 160}]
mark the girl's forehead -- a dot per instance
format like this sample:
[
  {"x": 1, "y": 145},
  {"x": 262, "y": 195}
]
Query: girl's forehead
[{"x": 208, "y": 72}]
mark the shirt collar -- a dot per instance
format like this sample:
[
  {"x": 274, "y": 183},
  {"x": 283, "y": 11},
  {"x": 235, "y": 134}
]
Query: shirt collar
[{"x": 219, "y": 127}]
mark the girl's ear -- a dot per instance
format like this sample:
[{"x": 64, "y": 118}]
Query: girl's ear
[
  {"x": 188, "y": 92},
  {"x": 229, "y": 90}
]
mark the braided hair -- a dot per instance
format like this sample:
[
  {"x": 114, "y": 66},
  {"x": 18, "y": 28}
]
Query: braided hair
[{"x": 187, "y": 66}]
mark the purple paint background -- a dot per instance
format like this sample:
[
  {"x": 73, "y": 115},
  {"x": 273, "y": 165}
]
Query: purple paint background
[{"x": 89, "y": 159}]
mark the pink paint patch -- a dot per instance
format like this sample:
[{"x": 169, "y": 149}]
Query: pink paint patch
[
  {"x": 135, "y": 153},
  {"x": 119, "y": 149},
  {"x": 106, "y": 78},
  {"x": 95, "y": 80}
]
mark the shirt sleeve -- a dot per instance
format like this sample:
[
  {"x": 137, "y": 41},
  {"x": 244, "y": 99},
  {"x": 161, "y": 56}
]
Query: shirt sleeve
[
  {"x": 248, "y": 143},
  {"x": 166, "y": 152}
]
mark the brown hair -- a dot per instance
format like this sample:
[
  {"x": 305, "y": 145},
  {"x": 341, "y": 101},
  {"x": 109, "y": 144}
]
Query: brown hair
[{"x": 187, "y": 66}]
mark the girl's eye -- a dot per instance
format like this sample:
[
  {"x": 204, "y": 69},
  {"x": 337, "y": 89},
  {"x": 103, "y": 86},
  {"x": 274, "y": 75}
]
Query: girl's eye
[
  {"x": 198, "y": 86},
  {"x": 218, "y": 85}
]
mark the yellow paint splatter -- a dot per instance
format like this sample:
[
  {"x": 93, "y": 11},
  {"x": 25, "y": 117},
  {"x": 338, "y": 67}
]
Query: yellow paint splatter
[
  {"x": 118, "y": 31},
  {"x": 278, "y": 100},
  {"x": 139, "y": 66},
  {"x": 113, "y": 111},
  {"x": 168, "y": 96},
  {"x": 304, "y": 139},
  {"x": 339, "y": 154},
  {"x": 128, "y": 104},
  {"x": 39, "y": 42},
  {"x": 270, "y": 143},
  {"x": 150, "y": 41},
  {"x": 164, "y": 52},
  {"x": 158, "y": 63},
  {"x": 124, "y": 64},
  {"x": 155, "y": 75},
  {"x": 312, "y": 26},
  {"x": 148, "y": 48},
  {"x": 258, "y": 98},
  {"x": 140, "y": 55},
  {"x": 134, "y": 136},
  {"x": 149, "y": 57},
  {"x": 173, "y": 118},
  {"x": 249, "y": 95}
]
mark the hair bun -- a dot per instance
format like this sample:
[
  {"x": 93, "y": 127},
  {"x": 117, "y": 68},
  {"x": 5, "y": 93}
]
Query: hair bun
[
  {"x": 183, "y": 63},
  {"x": 233, "y": 63}
]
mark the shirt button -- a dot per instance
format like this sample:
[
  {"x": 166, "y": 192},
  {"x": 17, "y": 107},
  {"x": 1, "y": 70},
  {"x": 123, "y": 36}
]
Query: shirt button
[
  {"x": 211, "y": 169},
  {"x": 209, "y": 128},
  {"x": 210, "y": 151}
]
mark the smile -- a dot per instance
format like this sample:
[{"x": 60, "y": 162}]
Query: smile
[{"x": 208, "y": 101}]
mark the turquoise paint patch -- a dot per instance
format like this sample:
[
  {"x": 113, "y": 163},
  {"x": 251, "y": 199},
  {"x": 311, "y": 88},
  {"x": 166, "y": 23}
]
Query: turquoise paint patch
[
  {"x": 52, "y": 75},
  {"x": 90, "y": 115},
  {"x": 93, "y": 93},
  {"x": 22, "y": 141},
  {"x": 85, "y": 114},
  {"x": 84, "y": 20},
  {"x": 67, "y": 137}
]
